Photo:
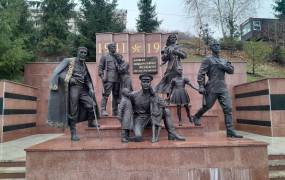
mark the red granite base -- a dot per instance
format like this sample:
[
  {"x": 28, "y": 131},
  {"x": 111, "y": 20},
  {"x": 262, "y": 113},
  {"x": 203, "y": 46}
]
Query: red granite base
[
  {"x": 111, "y": 127},
  {"x": 198, "y": 158}
]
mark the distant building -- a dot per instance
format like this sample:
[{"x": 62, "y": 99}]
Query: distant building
[
  {"x": 122, "y": 15},
  {"x": 263, "y": 29},
  {"x": 36, "y": 13}
]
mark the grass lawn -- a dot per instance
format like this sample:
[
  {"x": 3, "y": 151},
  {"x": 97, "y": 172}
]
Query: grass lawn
[
  {"x": 192, "y": 57},
  {"x": 267, "y": 70}
]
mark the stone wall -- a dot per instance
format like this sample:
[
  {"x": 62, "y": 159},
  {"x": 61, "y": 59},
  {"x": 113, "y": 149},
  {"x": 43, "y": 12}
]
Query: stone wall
[
  {"x": 38, "y": 74},
  {"x": 18, "y": 108},
  {"x": 260, "y": 107},
  {"x": 130, "y": 46}
]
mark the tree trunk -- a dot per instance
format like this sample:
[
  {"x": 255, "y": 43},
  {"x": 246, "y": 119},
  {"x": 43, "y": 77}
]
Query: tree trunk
[
  {"x": 218, "y": 4},
  {"x": 253, "y": 66}
]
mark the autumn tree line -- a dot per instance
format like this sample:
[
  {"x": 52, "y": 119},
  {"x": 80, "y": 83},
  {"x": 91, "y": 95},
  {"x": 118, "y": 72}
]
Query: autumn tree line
[{"x": 40, "y": 29}]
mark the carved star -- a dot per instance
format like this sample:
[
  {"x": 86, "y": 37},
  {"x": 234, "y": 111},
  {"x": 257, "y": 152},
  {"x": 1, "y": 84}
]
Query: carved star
[{"x": 136, "y": 48}]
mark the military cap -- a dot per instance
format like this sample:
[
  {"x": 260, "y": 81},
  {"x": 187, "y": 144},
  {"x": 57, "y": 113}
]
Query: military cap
[
  {"x": 146, "y": 77},
  {"x": 214, "y": 42},
  {"x": 82, "y": 48},
  {"x": 112, "y": 44}
]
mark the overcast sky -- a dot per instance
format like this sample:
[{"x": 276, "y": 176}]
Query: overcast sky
[{"x": 174, "y": 16}]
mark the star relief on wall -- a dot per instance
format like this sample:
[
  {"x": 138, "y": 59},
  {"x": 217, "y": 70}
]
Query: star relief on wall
[{"x": 136, "y": 48}]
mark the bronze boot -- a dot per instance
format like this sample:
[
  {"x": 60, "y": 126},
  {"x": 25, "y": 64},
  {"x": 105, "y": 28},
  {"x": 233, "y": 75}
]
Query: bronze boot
[
  {"x": 175, "y": 136},
  {"x": 103, "y": 106},
  {"x": 230, "y": 128},
  {"x": 197, "y": 121},
  {"x": 125, "y": 136},
  {"x": 73, "y": 133},
  {"x": 91, "y": 123}
]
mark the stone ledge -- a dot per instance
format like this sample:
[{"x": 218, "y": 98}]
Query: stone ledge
[
  {"x": 63, "y": 143},
  {"x": 196, "y": 158}
]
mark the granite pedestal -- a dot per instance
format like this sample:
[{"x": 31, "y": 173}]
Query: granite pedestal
[
  {"x": 198, "y": 158},
  {"x": 111, "y": 127},
  {"x": 206, "y": 154}
]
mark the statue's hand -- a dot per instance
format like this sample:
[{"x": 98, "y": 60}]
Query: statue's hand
[
  {"x": 53, "y": 87},
  {"x": 72, "y": 81},
  {"x": 221, "y": 66},
  {"x": 176, "y": 52},
  {"x": 202, "y": 90},
  {"x": 170, "y": 50},
  {"x": 101, "y": 77},
  {"x": 91, "y": 93},
  {"x": 167, "y": 100}
]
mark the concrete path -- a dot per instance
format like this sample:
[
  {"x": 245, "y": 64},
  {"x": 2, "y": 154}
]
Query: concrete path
[
  {"x": 14, "y": 150},
  {"x": 276, "y": 144}
]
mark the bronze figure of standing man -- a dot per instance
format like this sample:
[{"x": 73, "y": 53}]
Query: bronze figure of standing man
[
  {"x": 215, "y": 87},
  {"x": 109, "y": 74},
  {"x": 72, "y": 98}
]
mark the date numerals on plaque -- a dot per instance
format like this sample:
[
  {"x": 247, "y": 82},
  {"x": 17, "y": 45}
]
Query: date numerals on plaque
[{"x": 135, "y": 48}]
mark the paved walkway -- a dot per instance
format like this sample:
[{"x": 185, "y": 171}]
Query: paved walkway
[
  {"x": 276, "y": 144},
  {"x": 14, "y": 150}
]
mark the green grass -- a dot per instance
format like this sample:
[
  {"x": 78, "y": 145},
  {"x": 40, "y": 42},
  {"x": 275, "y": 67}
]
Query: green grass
[
  {"x": 19, "y": 78},
  {"x": 192, "y": 57},
  {"x": 267, "y": 70}
]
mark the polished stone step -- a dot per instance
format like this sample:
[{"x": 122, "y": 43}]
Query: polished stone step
[
  {"x": 277, "y": 175},
  {"x": 276, "y": 165},
  {"x": 276, "y": 156},
  {"x": 188, "y": 131},
  {"x": 12, "y": 163},
  {"x": 111, "y": 127},
  {"x": 210, "y": 122},
  {"x": 12, "y": 172},
  {"x": 112, "y": 120}
]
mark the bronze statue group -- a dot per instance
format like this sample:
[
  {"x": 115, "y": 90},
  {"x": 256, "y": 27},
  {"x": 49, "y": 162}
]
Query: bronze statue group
[{"x": 72, "y": 98}]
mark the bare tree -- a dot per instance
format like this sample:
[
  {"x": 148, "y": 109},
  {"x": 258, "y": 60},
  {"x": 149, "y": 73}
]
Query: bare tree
[
  {"x": 257, "y": 53},
  {"x": 199, "y": 8},
  {"x": 226, "y": 14}
]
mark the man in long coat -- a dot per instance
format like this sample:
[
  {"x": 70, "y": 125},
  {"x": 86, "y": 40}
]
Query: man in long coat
[{"x": 72, "y": 98}]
